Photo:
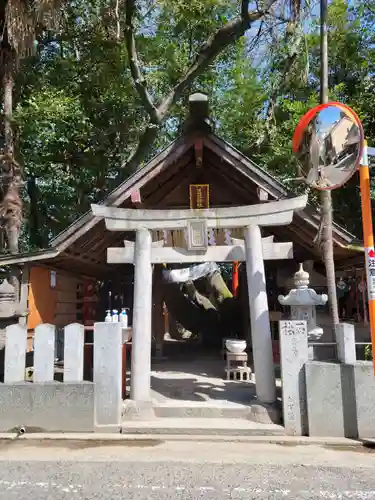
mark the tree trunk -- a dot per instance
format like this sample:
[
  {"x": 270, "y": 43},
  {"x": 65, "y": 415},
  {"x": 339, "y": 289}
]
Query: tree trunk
[
  {"x": 326, "y": 196},
  {"x": 11, "y": 203},
  {"x": 35, "y": 224},
  {"x": 327, "y": 243}
]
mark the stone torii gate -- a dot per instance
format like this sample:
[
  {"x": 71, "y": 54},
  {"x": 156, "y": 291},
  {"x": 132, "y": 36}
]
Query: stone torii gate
[{"x": 144, "y": 253}]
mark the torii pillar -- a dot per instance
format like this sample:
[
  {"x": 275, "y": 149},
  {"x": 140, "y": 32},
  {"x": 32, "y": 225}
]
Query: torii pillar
[{"x": 259, "y": 317}]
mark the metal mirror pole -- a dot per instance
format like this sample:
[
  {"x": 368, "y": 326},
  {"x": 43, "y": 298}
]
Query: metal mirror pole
[{"x": 326, "y": 196}]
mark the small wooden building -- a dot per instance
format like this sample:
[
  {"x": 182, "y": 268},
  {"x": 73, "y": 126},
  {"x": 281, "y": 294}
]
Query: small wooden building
[{"x": 197, "y": 170}]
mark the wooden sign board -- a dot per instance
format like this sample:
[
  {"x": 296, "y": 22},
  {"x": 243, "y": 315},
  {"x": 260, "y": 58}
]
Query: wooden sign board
[{"x": 199, "y": 195}]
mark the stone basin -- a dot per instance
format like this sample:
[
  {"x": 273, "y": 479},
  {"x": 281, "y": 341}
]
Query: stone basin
[{"x": 235, "y": 346}]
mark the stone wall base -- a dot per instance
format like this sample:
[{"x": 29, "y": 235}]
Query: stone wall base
[
  {"x": 47, "y": 407},
  {"x": 340, "y": 399}
]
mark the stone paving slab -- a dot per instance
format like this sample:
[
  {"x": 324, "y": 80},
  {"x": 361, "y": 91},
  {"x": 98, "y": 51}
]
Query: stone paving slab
[{"x": 202, "y": 426}]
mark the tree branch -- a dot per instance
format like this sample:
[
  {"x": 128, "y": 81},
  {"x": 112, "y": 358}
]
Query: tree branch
[
  {"x": 139, "y": 81},
  {"x": 244, "y": 8},
  {"x": 229, "y": 34},
  {"x": 142, "y": 149},
  {"x": 222, "y": 39}
]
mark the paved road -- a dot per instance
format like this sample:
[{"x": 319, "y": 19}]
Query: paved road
[{"x": 153, "y": 470}]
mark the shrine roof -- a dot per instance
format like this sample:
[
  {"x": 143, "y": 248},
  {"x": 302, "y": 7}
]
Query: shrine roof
[{"x": 234, "y": 179}]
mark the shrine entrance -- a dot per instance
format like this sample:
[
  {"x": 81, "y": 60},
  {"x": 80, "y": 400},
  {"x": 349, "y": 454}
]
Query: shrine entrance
[{"x": 143, "y": 253}]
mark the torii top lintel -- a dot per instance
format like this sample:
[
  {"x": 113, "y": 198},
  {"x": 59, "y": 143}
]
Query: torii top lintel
[{"x": 275, "y": 213}]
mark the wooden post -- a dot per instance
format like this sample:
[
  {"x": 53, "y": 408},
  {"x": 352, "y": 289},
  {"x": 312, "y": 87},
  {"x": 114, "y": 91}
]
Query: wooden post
[
  {"x": 157, "y": 310},
  {"x": 24, "y": 296},
  {"x": 124, "y": 370}
]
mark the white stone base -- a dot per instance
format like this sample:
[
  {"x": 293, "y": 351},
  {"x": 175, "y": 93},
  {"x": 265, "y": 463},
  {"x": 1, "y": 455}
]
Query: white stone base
[{"x": 241, "y": 374}]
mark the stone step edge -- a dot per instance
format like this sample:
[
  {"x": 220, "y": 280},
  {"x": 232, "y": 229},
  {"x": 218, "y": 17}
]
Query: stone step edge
[
  {"x": 199, "y": 405},
  {"x": 199, "y": 431},
  {"x": 36, "y": 438}
]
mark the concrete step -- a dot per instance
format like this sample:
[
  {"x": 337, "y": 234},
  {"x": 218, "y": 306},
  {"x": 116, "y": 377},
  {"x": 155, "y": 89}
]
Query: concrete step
[
  {"x": 201, "y": 427},
  {"x": 265, "y": 414},
  {"x": 199, "y": 410}
]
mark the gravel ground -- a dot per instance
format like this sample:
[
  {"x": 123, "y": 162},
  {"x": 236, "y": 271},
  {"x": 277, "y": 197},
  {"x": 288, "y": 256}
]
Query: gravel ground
[{"x": 158, "y": 470}]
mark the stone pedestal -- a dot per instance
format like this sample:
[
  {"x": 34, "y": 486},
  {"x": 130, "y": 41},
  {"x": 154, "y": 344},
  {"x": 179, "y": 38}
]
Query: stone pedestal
[
  {"x": 237, "y": 368},
  {"x": 303, "y": 301}
]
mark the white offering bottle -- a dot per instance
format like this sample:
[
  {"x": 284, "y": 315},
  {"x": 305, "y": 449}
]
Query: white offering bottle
[{"x": 124, "y": 318}]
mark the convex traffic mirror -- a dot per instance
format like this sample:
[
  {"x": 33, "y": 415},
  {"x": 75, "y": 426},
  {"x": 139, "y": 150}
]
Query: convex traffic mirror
[{"x": 328, "y": 142}]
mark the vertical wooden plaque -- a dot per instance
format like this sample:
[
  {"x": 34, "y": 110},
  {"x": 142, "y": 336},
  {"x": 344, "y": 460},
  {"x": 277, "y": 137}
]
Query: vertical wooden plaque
[{"x": 199, "y": 195}]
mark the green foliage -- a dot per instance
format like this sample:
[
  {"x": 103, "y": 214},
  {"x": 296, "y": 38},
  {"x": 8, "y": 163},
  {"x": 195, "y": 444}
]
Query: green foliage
[
  {"x": 368, "y": 352},
  {"x": 78, "y": 116}
]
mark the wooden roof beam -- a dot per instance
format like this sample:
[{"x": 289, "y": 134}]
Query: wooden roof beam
[{"x": 135, "y": 197}]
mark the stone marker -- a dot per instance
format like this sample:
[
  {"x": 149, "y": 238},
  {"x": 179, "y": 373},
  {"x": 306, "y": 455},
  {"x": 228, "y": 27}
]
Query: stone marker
[
  {"x": 74, "y": 337},
  {"x": 294, "y": 355},
  {"x": 15, "y": 353},
  {"x": 44, "y": 353},
  {"x": 108, "y": 373},
  {"x": 346, "y": 343}
]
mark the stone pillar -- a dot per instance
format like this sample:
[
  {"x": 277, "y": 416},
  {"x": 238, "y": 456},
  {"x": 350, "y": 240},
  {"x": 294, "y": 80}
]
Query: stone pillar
[
  {"x": 346, "y": 343},
  {"x": 259, "y": 317},
  {"x": 142, "y": 312}
]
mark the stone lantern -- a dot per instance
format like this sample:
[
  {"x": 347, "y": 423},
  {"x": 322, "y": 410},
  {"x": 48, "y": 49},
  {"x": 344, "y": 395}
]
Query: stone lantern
[{"x": 303, "y": 301}]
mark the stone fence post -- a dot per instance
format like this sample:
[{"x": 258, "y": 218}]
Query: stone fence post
[
  {"x": 44, "y": 353},
  {"x": 294, "y": 355},
  {"x": 74, "y": 339},
  {"x": 15, "y": 353},
  {"x": 345, "y": 335}
]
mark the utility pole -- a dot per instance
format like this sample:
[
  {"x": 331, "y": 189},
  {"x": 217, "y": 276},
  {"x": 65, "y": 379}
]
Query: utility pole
[
  {"x": 326, "y": 196},
  {"x": 323, "y": 52}
]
